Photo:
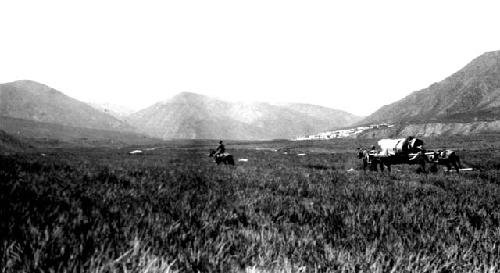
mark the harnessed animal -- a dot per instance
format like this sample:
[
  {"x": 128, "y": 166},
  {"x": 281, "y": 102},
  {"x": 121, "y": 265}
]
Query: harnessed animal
[
  {"x": 367, "y": 160},
  {"x": 446, "y": 158}
]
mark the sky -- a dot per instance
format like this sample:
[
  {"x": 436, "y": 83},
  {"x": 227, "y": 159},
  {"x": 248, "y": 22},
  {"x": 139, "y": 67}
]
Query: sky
[{"x": 351, "y": 55}]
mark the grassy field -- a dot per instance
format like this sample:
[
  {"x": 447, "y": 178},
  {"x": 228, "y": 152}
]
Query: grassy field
[{"x": 173, "y": 210}]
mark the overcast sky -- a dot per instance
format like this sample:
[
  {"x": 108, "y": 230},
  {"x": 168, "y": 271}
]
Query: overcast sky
[{"x": 350, "y": 55}]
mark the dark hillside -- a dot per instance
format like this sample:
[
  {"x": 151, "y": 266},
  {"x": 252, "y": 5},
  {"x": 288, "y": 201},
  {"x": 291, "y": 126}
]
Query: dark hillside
[
  {"x": 50, "y": 134},
  {"x": 471, "y": 94},
  {"x": 9, "y": 143},
  {"x": 30, "y": 100}
]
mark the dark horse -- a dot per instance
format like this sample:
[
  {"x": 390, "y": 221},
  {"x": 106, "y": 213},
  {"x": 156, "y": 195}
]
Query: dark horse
[
  {"x": 418, "y": 159},
  {"x": 367, "y": 160},
  {"x": 446, "y": 158},
  {"x": 222, "y": 158}
]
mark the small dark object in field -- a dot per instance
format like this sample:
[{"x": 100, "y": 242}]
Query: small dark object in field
[{"x": 475, "y": 220}]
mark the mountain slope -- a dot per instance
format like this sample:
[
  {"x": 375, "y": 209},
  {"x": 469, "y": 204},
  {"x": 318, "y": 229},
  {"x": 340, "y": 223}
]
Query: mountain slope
[
  {"x": 193, "y": 116},
  {"x": 9, "y": 143},
  {"x": 43, "y": 134},
  {"x": 118, "y": 111},
  {"x": 34, "y": 101},
  {"x": 471, "y": 94},
  {"x": 334, "y": 116}
]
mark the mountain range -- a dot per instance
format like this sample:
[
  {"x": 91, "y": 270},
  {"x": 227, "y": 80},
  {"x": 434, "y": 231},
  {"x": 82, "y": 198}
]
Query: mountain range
[
  {"x": 472, "y": 94},
  {"x": 194, "y": 116},
  {"x": 40, "y": 114},
  {"x": 34, "y": 110},
  {"x": 30, "y": 100},
  {"x": 466, "y": 102}
]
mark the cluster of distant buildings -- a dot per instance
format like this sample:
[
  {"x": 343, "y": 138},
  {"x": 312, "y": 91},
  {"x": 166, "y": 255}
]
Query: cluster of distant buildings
[{"x": 343, "y": 133}]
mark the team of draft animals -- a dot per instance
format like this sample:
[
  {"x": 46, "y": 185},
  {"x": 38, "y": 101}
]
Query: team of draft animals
[{"x": 408, "y": 150}]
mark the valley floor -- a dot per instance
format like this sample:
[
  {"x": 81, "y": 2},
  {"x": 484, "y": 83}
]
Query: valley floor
[{"x": 172, "y": 209}]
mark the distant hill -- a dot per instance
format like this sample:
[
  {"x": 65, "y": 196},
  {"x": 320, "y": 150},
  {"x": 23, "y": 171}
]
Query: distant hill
[
  {"x": 51, "y": 134},
  {"x": 192, "y": 116},
  {"x": 30, "y": 100},
  {"x": 471, "y": 94},
  {"x": 336, "y": 118},
  {"x": 9, "y": 143},
  {"x": 432, "y": 129}
]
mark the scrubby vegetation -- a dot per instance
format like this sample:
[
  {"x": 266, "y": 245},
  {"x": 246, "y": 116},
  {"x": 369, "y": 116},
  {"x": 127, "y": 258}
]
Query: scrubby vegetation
[{"x": 173, "y": 209}]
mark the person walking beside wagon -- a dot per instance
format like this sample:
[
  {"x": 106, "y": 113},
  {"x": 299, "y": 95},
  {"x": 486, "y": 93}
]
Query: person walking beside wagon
[{"x": 372, "y": 159}]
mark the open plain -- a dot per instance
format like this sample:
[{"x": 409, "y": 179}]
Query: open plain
[{"x": 172, "y": 209}]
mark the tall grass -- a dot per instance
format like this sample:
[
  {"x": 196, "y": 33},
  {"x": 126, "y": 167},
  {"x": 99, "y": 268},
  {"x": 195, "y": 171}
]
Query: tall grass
[{"x": 174, "y": 210}]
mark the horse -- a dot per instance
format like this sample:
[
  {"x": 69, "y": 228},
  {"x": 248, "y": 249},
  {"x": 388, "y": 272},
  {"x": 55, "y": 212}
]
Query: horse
[
  {"x": 419, "y": 158},
  {"x": 367, "y": 160},
  {"x": 222, "y": 158},
  {"x": 446, "y": 158}
]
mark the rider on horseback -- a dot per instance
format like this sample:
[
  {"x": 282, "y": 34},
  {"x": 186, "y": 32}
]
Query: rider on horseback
[
  {"x": 221, "y": 156},
  {"x": 220, "y": 149}
]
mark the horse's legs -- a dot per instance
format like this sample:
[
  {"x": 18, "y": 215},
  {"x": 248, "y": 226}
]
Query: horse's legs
[
  {"x": 433, "y": 168},
  {"x": 456, "y": 163},
  {"x": 381, "y": 164},
  {"x": 456, "y": 166},
  {"x": 422, "y": 165}
]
